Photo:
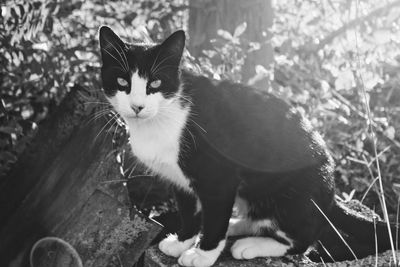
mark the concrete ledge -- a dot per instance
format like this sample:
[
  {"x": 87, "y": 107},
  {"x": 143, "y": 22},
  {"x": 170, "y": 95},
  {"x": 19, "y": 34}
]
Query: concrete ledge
[{"x": 155, "y": 258}]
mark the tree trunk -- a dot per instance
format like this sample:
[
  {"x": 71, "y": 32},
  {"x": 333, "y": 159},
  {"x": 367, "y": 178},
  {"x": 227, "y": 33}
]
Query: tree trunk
[
  {"x": 68, "y": 185},
  {"x": 207, "y": 16}
]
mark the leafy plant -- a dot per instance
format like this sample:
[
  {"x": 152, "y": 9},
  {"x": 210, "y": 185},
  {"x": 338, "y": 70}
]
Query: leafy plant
[{"x": 325, "y": 52}]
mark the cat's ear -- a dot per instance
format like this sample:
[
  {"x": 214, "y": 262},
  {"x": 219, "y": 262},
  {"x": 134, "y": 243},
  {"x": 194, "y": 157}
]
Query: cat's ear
[
  {"x": 173, "y": 46},
  {"x": 111, "y": 45}
]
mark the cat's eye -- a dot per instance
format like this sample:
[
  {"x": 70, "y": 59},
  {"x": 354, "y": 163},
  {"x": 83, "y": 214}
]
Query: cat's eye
[
  {"x": 155, "y": 84},
  {"x": 122, "y": 82}
]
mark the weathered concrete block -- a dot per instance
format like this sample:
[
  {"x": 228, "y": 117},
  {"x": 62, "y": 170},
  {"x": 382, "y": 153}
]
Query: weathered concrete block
[{"x": 155, "y": 258}]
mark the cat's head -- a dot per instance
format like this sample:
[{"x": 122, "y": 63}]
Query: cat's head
[{"x": 140, "y": 80}]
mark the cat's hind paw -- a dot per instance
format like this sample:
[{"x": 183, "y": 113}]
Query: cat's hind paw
[
  {"x": 253, "y": 247},
  {"x": 196, "y": 257},
  {"x": 171, "y": 246}
]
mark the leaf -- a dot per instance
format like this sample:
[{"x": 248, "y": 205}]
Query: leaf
[
  {"x": 216, "y": 76},
  {"x": 260, "y": 69},
  {"x": 21, "y": 10},
  {"x": 3, "y": 109},
  {"x": 240, "y": 30},
  {"x": 224, "y": 34},
  {"x": 254, "y": 46},
  {"x": 14, "y": 14},
  {"x": 382, "y": 36},
  {"x": 390, "y": 132},
  {"x": 345, "y": 80},
  {"x": 348, "y": 197}
]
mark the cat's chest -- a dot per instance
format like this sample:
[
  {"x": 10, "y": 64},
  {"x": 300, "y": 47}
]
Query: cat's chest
[
  {"x": 158, "y": 147},
  {"x": 152, "y": 147}
]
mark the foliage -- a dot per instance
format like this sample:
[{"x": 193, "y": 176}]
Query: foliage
[
  {"x": 48, "y": 46},
  {"x": 326, "y": 81},
  {"x": 226, "y": 58}
]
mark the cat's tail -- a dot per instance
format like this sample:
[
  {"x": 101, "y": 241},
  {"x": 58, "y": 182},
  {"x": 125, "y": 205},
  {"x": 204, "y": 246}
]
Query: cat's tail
[{"x": 356, "y": 225}]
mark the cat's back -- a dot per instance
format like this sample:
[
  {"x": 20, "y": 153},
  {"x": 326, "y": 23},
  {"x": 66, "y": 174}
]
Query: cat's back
[{"x": 253, "y": 128}]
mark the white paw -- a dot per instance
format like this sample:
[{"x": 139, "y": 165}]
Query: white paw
[
  {"x": 196, "y": 257},
  {"x": 171, "y": 246},
  {"x": 252, "y": 247}
]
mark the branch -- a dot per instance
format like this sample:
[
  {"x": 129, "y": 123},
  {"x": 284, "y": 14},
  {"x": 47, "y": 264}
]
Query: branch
[{"x": 354, "y": 23}]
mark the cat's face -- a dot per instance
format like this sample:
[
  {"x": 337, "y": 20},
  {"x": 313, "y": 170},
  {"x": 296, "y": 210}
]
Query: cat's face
[{"x": 142, "y": 80}]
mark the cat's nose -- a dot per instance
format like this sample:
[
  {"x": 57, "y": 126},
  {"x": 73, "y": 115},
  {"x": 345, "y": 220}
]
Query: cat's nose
[{"x": 137, "y": 109}]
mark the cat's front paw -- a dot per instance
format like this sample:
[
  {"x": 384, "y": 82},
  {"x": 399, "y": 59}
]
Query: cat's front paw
[
  {"x": 196, "y": 257},
  {"x": 171, "y": 246}
]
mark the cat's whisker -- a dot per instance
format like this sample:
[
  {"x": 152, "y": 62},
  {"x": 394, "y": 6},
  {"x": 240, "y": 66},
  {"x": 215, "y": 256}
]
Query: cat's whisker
[
  {"x": 152, "y": 66},
  {"x": 173, "y": 112},
  {"x": 119, "y": 124},
  {"x": 103, "y": 111},
  {"x": 191, "y": 134},
  {"x": 201, "y": 128},
  {"x": 119, "y": 68},
  {"x": 99, "y": 114},
  {"x": 115, "y": 123},
  {"x": 110, "y": 128},
  {"x": 123, "y": 53},
  {"x": 119, "y": 53},
  {"x": 159, "y": 64},
  {"x": 154, "y": 70},
  {"x": 192, "y": 120},
  {"x": 164, "y": 125},
  {"x": 169, "y": 111},
  {"x": 94, "y": 102},
  {"x": 163, "y": 67},
  {"x": 185, "y": 98},
  {"x": 102, "y": 129},
  {"x": 123, "y": 67},
  {"x": 113, "y": 126},
  {"x": 135, "y": 163}
]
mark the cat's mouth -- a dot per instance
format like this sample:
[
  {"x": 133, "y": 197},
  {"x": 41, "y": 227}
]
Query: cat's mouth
[{"x": 138, "y": 117}]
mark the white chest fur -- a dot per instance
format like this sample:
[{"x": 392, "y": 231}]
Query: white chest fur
[{"x": 156, "y": 143}]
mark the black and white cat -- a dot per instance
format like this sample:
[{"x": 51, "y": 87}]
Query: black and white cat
[{"x": 222, "y": 144}]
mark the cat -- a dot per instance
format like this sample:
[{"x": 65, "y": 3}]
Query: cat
[{"x": 224, "y": 146}]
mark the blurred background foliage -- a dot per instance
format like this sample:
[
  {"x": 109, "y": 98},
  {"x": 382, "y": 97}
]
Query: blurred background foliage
[{"x": 325, "y": 54}]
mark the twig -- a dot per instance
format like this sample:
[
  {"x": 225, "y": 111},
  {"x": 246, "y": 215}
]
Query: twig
[
  {"x": 326, "y": 251},
  {"x": 335, "y": 229},
  {"x": 376, "y": 240},
  {"x": 374, "y": 141},
  {"x": 114, "y": 181},
  {"x": 397, "y": 224}
]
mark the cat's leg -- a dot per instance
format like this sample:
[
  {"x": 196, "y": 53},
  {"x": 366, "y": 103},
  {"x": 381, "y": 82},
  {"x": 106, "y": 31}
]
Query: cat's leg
[
  {"x": 216, "y": 213},
  {"x": 175, "y": 244},
  {"x": 239, "y": 226}
]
